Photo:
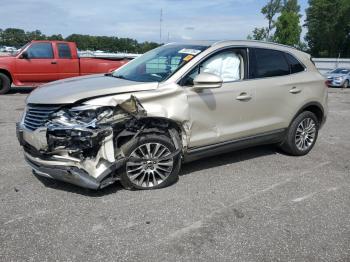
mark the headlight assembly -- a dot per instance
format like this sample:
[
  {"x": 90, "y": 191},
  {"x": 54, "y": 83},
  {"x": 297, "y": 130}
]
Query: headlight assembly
[
  {"x": 89, "y": 113},
  {"x": 86, "y": 116},
  {"x": 339, "y": 78}
]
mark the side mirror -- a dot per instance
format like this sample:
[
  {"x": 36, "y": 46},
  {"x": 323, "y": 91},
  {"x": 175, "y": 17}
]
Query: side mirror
[
  {"x": 206, "y": 81},
  {"x": 24, "y": 55}
]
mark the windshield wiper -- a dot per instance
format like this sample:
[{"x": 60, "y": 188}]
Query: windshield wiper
[{"x": 116, "y": 76}]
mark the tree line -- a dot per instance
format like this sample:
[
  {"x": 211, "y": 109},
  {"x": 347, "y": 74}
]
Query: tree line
[
  {"x": 18, "y": 37},
  {"x": 327, "y": 23}
]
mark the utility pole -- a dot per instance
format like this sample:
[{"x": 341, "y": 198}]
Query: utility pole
[{"x": 160, "y": 25}]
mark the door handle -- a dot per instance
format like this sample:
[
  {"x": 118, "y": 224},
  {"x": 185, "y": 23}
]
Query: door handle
[
  {"x": 53, "y": 62},
  {"x": 244, "y": 97},
  {"x": 295, "y": 90}
]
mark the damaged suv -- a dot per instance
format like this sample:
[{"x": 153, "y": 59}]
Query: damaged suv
[{"x": 176, "y": 103}]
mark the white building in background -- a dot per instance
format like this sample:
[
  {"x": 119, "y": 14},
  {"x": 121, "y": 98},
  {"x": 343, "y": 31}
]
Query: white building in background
[{"x": 325, "y": 65}]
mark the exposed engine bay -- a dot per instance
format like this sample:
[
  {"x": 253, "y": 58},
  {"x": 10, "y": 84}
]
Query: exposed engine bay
[{"x": 91, "y": 137}]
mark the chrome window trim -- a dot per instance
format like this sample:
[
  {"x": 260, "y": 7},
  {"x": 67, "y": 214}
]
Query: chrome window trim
[{"x": 247, "y": 47}]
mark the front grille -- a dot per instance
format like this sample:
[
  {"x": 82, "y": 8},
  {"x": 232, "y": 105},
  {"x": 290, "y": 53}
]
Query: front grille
[{"x": 37, "y": 115}]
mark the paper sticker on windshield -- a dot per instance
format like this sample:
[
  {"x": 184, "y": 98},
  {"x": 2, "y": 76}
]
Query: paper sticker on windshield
[
  {"x": 188, "y": 58},
  {"x": 189, "y": 51}
]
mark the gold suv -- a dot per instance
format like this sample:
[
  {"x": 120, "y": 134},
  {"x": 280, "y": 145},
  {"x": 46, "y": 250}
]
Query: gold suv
[{"x": 176, "y": 103}]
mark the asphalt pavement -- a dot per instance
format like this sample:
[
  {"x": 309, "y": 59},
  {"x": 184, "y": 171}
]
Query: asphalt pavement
[{"x": 256, "y": 204}]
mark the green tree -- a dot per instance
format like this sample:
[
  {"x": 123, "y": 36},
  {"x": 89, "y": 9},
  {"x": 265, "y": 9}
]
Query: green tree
[
  {"x": 17, "y": 37},
  {"x": 291, "y": 6},
  {"x": 14, "y": 37},
  {"x": 35, "y": 35},
  {"x": 58, "y": 37},
  {"x": 328, "y": 23},
  {"x": 270, "y": 10},
  {"x": 288, "y": 28},
  {"x": 259, "y": 34}
]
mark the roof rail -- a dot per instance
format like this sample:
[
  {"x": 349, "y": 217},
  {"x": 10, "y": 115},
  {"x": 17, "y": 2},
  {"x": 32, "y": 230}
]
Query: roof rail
[{"x": 256, "y": 41}]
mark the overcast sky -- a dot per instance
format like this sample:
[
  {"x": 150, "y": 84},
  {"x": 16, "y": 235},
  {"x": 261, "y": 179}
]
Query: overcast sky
[{"x": 138, "y": 19}]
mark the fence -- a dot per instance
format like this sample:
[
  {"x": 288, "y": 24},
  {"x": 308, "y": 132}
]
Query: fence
[{"x": 325, "y": 65}]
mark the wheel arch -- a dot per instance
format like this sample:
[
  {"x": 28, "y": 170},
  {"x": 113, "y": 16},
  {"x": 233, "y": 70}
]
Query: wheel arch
[
  {"x": 7, "y": 73},
  {"x": 159, "y": 125},
  {"x": 314, "y": 107}
]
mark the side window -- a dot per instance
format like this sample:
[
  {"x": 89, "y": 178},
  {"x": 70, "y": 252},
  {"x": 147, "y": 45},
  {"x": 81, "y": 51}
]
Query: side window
[
  {"x": 294, "y": 64},
  {"x": 268, "y": 63},
  {"x": 229, "y": 65},
  {"x": 64, "y": 51},
  {"x": 40, "y": 50}
]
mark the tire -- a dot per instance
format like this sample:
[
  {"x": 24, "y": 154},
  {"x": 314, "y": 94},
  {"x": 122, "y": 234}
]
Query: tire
[
  {"x": 144, "y": 175},
  {"x": 346, "y": 84},
  {"x": 5, "y": 83},
  {"x": 302, "y": 134}
]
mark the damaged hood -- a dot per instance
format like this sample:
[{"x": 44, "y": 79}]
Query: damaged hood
[{"x": 71, "y": 90}]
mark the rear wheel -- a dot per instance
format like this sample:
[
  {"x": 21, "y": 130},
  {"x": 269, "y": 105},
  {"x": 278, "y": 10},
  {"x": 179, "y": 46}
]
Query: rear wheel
[
  {"x": 151, "y": 163},
  {"x": 302, "y": 134},
  {"x": 5, "y": 83}
]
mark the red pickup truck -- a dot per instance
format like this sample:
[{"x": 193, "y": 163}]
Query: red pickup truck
[{"x": 40, "y": 62}]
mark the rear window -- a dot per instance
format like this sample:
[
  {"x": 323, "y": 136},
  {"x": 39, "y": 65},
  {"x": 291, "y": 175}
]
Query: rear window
[
  {"x": 64, "y": 51},
  {"x": 295, "y": 65},
  {"x": 268, "y": 63}
]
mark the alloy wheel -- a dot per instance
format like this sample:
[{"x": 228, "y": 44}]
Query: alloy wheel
[
  {"x": 305, "y": 134},
  {"x": 149, "y": 165}
]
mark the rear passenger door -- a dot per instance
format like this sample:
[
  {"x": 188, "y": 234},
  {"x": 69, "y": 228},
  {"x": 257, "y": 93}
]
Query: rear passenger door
[
  {"x": 68, "y": 63},
  {"x": 277, "y": 86}
]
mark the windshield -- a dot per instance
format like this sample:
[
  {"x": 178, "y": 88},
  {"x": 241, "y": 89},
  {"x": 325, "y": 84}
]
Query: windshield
[
  {"x": 19, "y": 50},
  {"x": 340, "y": 71},
  {"x": 158, "y": 64}
]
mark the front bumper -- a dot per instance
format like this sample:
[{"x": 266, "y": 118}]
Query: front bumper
[
  {"x": 60, "y": 171},
  {"x": 335, "y": 83},
  {"x": 60, "y": 168}
]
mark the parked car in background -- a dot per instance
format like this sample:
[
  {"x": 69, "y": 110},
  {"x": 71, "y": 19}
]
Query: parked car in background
[
  {"x": 339, "y": 77},
  {"x": 176, "y": 103},
  {"x": 8, "y": 49},
  {"x": 40, "y": 62}
]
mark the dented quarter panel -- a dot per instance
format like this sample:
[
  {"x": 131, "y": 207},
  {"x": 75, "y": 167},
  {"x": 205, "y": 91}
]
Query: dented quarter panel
[{"x": 169, "y": 101}]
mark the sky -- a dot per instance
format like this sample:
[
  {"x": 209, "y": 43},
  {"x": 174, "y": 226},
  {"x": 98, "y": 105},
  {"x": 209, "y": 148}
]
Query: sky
[{"x": 138, "y": 19}]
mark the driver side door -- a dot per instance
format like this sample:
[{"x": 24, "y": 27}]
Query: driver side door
[
  {"x": 221, "y": 114},
  {"x": 39, "y": 67}
]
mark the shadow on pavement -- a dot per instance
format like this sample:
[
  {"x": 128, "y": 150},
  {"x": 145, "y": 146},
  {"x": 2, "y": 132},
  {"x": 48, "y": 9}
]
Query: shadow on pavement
[
  {"x": 59, "y": 185},
  {"x": 201, "y": 164},
  {"x": 20, "y": 90},
  {"x": 228, "y": 158}
]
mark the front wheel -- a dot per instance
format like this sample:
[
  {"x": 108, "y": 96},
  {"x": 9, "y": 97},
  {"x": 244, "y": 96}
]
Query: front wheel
[
  {"x": 301, "y": 135},
  {"x": 5, "y": 83},
  {"x": 151, "y": 163},
  {"x": 346, "y": 84}
]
